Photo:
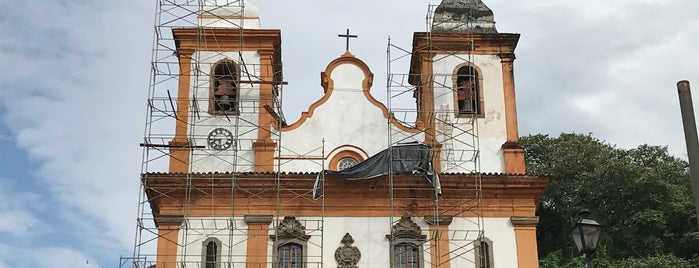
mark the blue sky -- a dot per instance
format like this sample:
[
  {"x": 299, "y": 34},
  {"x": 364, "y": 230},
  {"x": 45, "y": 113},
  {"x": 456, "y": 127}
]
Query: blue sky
[{"x": 74, "y": 78}]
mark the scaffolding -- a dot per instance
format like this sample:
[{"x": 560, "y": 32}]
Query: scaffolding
[
  {"x": 422, "y": 98},
  {"x": 205, "y": 182},
  {"x": 211, "y": 192}
]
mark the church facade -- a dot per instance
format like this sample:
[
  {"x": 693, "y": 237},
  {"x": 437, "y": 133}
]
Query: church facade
[{"x": 352, "y": 183}]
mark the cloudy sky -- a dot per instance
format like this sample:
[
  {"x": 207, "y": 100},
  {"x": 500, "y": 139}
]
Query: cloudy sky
[{"x": 74, "y": 78}]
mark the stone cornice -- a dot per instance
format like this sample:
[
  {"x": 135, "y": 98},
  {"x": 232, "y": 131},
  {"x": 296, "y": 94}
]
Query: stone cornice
[
  {"x": 438, "y": 220},
  {"x": 168, "y": 220},
  {"x": 519, "y": 221},
  {"x": 258, "y": 219}
]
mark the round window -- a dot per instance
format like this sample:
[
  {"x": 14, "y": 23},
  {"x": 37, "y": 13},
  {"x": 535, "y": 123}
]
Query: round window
[{"x": 346, "y": 162}]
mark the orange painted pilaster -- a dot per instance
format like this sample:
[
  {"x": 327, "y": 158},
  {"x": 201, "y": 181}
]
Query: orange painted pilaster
[
  {"x": 525, "y": 237},
  {"x": 428, "y": 109},
  {"x": 264, "y": 146},
  {"x": 258, "y": 236},
  {"x": 439, "y": 240},
  {"x": 179, "y": 146},
  {"x": 514, "y": 158},
  {"x": 168, "y": 231},
  {"x": 508, "y": 80}
]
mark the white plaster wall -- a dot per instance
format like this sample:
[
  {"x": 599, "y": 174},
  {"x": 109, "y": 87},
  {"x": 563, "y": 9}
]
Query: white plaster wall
[
  {"x": 243, "y": 126},
  {"x": 499, "y": 230},
  {"x": 369, "y": 234},
  {"x": 346, "y": 118},
  {"x": 196, "y": 230},
  {"x": 227, "y": 9},
  {"x": 491, "y": 129}
]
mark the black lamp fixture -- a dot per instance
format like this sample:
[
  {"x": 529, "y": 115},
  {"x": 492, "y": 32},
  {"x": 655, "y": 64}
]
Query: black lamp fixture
[{"x": 586, "y": 236}]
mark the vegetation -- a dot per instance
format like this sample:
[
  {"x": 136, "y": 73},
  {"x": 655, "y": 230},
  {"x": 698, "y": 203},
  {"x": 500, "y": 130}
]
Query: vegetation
[{"x": 642, "y": 196}]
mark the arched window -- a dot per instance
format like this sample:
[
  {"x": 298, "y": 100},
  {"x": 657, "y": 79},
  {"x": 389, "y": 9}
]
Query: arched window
[
  {"x": 211, "y": 253},
  {"x": 224, "y": 88},
  {"x": 406, "y": 238},
  {"x": 406, "y": 255},
  {"x": 290, "y": 255},
  {"x": 484, "y": 253},
  {"x": 468, "y": 91},
  {"x": 290, "y": 241}
]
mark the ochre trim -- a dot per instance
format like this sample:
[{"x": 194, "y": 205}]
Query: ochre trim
[
  {"x": 501, "y": 196},
  {"x": 527, "y": 255},
  {"x": 508, "y": 83},
  {"x": 329, "y": 85},
  {"x": 179, "y": 151},
  {"x": 513, "y": 154},
  {"x": 343, "y": 147},
  {"x": 258, "y": 236},
  {"x": 264, "y": 147},
  {"x": 168, "y": 235},
  {"x": 264, "y": 154},
  {"x": 343, "y": 154},
  {"x": 439, "y": 246}
]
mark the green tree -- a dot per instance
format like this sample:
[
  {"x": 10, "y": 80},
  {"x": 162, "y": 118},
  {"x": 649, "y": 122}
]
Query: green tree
[{"x": 642, "y": 196}]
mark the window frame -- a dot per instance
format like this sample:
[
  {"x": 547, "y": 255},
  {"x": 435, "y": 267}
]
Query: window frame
[
  {"x": 205, "y": 251},
  {"x": 212, "y": 87},
  {"x": 409, "y": 244},
  {"x": 478, "y": 251},
  {"x": 289, "y": 231},
  {"x": 406, "y": 232},
  {"x": 334, "y": 164},
  {"x": 479, "y": 98},
  {"x": 291, "y": 245}
]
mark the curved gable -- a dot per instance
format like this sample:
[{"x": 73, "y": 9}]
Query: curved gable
[{"x": 341, "y": 72}]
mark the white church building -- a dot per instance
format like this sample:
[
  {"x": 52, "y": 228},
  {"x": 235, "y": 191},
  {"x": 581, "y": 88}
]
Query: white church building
[{"x": 437, "y": 181}]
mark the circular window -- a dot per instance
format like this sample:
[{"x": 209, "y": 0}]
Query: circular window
[
  {"x": 344, "y": 159},
  {"x": 346, "y": 162}
]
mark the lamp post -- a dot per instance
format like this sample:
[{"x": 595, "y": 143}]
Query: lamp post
[{"x": 586, "y": 235}]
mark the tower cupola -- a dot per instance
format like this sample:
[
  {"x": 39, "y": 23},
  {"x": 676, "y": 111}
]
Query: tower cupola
[
  {"x": 229, "y": 14},
  {"x": 463, "y": 16}
]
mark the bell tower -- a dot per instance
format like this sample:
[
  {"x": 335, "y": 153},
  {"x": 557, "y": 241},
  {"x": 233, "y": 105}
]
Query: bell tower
[
  {"x": 230, "y": 71},
  {"x": 463, "y": 75}
]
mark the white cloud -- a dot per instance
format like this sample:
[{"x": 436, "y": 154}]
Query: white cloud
[
  {"x": 70, "y": 84},
  {"x": 17, "y": 210}
]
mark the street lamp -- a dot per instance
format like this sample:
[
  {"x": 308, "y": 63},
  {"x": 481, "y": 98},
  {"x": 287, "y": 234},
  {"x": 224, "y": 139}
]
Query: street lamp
[{"x": 586, "y": 235}]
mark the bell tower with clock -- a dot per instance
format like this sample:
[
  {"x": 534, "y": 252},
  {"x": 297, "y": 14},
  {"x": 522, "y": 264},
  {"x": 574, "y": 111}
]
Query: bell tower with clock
[{"x": 230, "y": 72}]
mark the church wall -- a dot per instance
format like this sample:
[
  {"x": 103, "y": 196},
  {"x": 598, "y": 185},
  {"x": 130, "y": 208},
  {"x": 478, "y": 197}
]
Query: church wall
[
  {"x": 243, "y": 126},
  {"x": 347, "y": 117},
  {"x": 201, "y": 229},
  {"x": 369, "y": 234},
  {"x": 491, "y": 127},
  {"x": 498, "y": 230}
]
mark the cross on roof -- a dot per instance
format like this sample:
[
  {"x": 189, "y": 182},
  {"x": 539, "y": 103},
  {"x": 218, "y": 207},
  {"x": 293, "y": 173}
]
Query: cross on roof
[{"x": 347, "y": 36}]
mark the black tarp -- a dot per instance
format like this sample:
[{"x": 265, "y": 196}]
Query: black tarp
[{"x": 407, "y": 158}]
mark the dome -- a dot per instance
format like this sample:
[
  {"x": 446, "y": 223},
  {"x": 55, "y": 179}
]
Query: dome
[{"x": 471, "y": 16}]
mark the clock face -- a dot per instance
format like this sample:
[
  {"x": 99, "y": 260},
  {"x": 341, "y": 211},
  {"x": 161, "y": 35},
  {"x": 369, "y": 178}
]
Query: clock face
[{"x": 220, "y": 139}]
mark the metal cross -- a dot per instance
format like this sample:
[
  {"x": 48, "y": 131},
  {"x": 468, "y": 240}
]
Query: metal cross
[{"x": 347, "y": 36}]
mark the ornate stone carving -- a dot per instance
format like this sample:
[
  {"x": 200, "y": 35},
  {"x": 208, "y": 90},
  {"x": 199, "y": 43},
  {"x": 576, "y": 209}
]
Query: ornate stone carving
[
  {"x": 347, "y": 256},
  {"x": 290, "y": 228},
  {"x": 407, "y": 229}
]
